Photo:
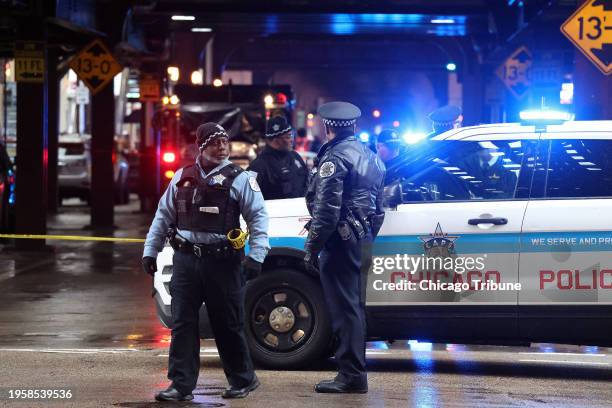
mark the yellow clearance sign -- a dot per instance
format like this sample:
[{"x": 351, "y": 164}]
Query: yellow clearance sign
[
  {"x": 95, "y": 65},
  {"x": 30, "y": 62},
  {"x": 590, "y": 29},
  {"x": 515, "y": 72}
]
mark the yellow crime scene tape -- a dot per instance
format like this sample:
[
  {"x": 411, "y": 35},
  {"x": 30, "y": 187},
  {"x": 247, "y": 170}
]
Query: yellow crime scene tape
[{"x": 71, "y": 238}]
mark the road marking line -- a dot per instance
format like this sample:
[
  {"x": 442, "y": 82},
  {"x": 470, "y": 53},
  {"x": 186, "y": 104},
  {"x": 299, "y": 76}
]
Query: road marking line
[
  {"x": 71, "y": 238},
  {"x": 565, "y": 362},
  {"x": 71, "y": 351},
  {"x": 542, "y": 353}
]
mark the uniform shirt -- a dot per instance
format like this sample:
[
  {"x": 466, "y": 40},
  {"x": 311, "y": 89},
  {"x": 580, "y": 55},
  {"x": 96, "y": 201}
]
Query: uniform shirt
[
  {"x": 280, "y": 174},
  {"x": 252, "y": 208}
]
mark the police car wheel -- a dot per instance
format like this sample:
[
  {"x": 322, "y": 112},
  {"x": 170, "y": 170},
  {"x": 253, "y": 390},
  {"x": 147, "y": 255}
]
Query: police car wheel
[{"x": 288, "y": 325}]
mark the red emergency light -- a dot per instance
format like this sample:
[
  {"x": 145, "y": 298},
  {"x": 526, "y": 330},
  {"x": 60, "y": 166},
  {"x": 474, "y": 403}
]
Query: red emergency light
[{"x": 169, "y": 157}]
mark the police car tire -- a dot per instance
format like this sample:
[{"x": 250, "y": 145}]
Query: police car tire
[{"x": 317, "y": 345}]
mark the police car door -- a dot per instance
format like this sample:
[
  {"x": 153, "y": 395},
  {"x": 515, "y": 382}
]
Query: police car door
[
  {"x": 463, "y": 202},
  {"x": 566, "y": 267}
]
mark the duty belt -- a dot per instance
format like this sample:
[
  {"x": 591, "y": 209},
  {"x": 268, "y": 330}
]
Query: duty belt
[{"x": 221, "y": 249}]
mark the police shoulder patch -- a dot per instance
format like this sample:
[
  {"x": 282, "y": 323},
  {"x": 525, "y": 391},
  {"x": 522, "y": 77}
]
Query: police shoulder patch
[
  {"x": 253, "y": 184},
  {"x": 327, "y": 169}
]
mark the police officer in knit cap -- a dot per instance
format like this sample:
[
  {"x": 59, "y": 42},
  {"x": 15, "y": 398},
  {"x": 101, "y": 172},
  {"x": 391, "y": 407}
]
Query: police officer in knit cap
[
  {"x": 445, "y": 118},
  {"x": 344, "y": 198},
  {"x": 281, "y": 172},
  {"x": 200, "y": 212}
]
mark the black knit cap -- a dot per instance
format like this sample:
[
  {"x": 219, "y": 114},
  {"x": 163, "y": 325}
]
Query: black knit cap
[
  {"x": 277, "y": 126},
  {"x": 207, "y": 132}
]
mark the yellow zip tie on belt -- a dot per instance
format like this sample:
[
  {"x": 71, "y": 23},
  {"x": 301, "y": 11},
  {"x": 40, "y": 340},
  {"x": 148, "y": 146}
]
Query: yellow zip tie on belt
[{"x": 71, "y": 238}]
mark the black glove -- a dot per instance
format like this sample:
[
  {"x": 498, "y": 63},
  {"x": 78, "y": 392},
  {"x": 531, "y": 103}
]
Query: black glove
[
  {"x": 311, "y": 262},
  {"x": 251, "y": 268},
  {"x": 149, "y": 265}
]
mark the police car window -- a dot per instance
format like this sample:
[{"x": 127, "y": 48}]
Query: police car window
[
  {"x": 458, "y": 170},
  {"x": 578, "y": 168}
]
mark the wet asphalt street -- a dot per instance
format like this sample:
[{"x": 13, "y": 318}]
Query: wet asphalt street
[{"x": 80, "y": 317}]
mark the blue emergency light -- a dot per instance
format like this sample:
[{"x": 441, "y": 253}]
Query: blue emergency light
[
  {"x": 413, "y": 137},
  {"x": 364, "y": 137},
  {"x": 545, "y": 115},
  {"x": 540, "y": 118}
]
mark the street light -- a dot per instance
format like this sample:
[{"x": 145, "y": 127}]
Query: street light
[
  {"x": 269, "y": 100},
  {"x": 173, "y": 73},
  {"x": 451, "y": 66},
  {"x": 197, "y": 78}
]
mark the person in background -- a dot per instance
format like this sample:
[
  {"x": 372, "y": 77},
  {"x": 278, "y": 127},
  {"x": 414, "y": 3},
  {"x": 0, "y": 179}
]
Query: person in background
[
  {"x": 281, "y": 172},
  {"x": 389, "y": 147},
  {"x": 445, "y": 118}
]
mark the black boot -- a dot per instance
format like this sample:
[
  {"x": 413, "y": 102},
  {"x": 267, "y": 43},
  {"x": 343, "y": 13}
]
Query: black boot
[
  {"x": 234, "y": 392},
  {"x": 172, "y": 394},
  {"x": 338, "y": 387}
]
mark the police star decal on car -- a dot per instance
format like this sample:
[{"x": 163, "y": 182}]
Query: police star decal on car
[
  {"x": 253, "y": 184},
  {"x": 327, "y": 169}
]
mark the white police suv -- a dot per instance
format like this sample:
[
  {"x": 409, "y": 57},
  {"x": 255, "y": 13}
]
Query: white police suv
[{"x": 498, "y": 234}]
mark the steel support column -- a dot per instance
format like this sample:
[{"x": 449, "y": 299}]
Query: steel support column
[
  {"x": 102, "y": 134},
  {"x": 53, "y": 130},
  {"x": 31, "y": 160}
]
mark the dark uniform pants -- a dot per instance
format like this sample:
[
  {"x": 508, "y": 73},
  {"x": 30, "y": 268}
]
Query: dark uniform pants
[
  {"x": 343, "y": 279},
  {"x": 219, "y": 283}
]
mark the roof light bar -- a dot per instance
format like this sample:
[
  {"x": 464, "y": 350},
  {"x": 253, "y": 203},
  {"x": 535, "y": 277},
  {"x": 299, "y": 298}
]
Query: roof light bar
[{"x": 545, "y": 115}]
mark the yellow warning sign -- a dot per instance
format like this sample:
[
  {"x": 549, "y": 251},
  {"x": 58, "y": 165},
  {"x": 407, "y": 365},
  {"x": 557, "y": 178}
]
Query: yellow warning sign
[
  {"x": 95, "y": 65},
  {"x": 515, "y": 72},
  {"x": 590, "y": 29},
  {"x": 29, "y": 62}
]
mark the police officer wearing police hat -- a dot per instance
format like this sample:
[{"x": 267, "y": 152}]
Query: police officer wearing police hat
[
  {"x": 281, "y": 172},
  {"x": 445, "y": 118},
  {"x": 389, "y": 147},
  {"x": 344, "y": 198},
  {"x": 200, "y": 212}
]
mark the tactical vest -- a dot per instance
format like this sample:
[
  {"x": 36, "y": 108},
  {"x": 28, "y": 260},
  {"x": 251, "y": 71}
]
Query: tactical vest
[{"x": 205, "y": 205}]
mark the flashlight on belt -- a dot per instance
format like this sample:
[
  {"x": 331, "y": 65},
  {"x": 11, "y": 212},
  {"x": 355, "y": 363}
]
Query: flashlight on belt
[{"x": 237, "y": 238}]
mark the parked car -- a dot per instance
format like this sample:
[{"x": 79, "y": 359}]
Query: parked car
[
  {"x": 74, "y": 167},
  {"x": 74, "y": 170},
  {"x": 531, "y": 202}
]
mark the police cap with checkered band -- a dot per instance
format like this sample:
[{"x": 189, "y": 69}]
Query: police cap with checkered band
[{"x": 339, "y": 114}]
